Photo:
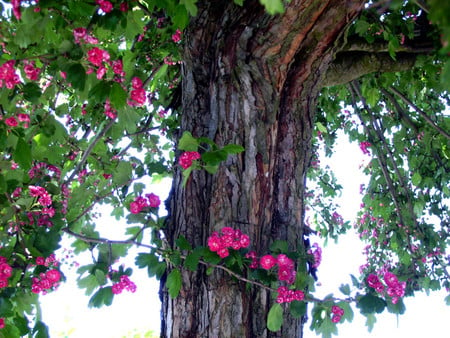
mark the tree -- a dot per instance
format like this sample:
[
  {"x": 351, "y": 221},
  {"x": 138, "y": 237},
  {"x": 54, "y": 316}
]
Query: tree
[{"x": 247, "y": 93}]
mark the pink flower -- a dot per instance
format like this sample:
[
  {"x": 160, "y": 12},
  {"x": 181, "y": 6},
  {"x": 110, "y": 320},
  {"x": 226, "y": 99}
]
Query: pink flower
[
  {"x": 153, "y": 200},
  {"x": 214, "y": 242},
  {"x": 136, "y": 83},
  {"x": 105, "y": 5},
  {"x": 138, "y": 96},
  {"x": 285, "y": 261},
  {"x": 79, "y": 34},
  {"x": 187, "y": 157},
  {"x": 5, "y": 271},
  {"x": 117, "y": 67},
  {"x": 176, "y": 37},
  {"x": 53, "y": 276},
  {"x": 31, "y": 71},
  {"x": 363, "y": 146},
  {"x": 16, "y": 8},
  {"x": 36, "y": 190},
  {"x": 23, "y": 117},
  {"x": 101, "y": 71},
  {"x": 96, "y": 56},
  {"x": 244, "y": 241},
  {"x": 336, "y": 318},
  {"x": 8, "y": 76},
  {"x": 337, "y": 310},
  {"x": 223, "y": 253},
  {"x": 267, "y": 262},
  {"x": 135, "y": 207},
  {"x": 390, "y": 279},
  {"x": 11, "y": 121}
]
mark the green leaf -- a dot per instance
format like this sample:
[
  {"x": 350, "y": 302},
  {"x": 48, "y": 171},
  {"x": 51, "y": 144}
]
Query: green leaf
[
  {"x": 118, "y": 96},
  {"x": 90, "y": 283},
  {"x": 122, "y": 173},
  {"x": 76, "y": 75},
  {"x": 190, "y": 6},
  {"x": 275, "y": 318},
  {"x": 5, "y": 307},
  {"x": 22, "y": 154},
  {"x": 370, "y": 322},
  {"x": 173, "y": 283},
  {"x": 416, "y": 179},
  {"x": 279, "y": 246},
  {"x": 214, "y": 157},
  {"x": 321, "y": 127},
  {"x": 100, "y": 92},
  {"x": 40, "y": 330},
  {"x": 188, "y": 142},
  {"x": 297, "y": 308},
  {"x": 154, "y": 266},
  {"x": 32, "y": 92},
  {"x": 273, "y": 6},
  {"x": 192, "y": 259},
  {"x": 371, "y": 304},
  {"x": 103, "y": 296},
  {"x": 233, "y": 149},
  {"x": 345, "y": 289},
  {"x": 183, "y": 243}
]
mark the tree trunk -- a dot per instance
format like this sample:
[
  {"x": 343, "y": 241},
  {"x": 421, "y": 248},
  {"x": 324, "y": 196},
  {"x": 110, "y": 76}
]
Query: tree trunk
[{"x": 250, "y": 79}]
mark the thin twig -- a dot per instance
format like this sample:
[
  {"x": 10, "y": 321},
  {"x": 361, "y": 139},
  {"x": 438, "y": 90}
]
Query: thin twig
[
  {"x": 89, "y": 150},
  {"x": 421, "y": 113}
]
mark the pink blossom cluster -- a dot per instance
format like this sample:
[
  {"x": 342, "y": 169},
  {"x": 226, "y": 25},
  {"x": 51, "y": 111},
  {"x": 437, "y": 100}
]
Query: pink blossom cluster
[
  {"x": 12, "y": 121},
  {"x": 16, "y": 8},
  {"x": 44, "y": 198},
  {"x": 5, "y": 272},
  {"x": 8, "y": 75},
  {"x": 99, "y": 58},
  {"x": 252, "y": 255},
  {"x": 316, "y": 252},
  {"x": 230, "y": 238},
  {"x": 43, "y": 168},
  {"x": 286, "y": 295},
  {"x": 50, "y": 261},
  {"x": 176, "y": 37},
  {"x": 31, "y": 71},
  {"x": 80, "y": 34},
  {"x": 109, "y": 110},
  {"x": 124, "y": 284},
  {"x": 286, "y": 266},
  {"x": 363, "y": 146},
  {"x": 137, "y": 95},
  {"x": 395, "y": 289},
  {"x": 150, "y": 200},
  {"x": 187, "y": 158},
  {"x": 337, "y": 312},
  {"x": 2, "y": 323},
  {"x": 46, "y": 281},
  {"x": 105, "y": 5}
]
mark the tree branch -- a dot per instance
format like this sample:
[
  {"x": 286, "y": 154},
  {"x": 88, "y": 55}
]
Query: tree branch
[
  {"x": 349, "y": 66},
  {"x": 420, "y": 112}
]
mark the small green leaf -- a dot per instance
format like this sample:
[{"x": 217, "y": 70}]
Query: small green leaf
[
  {"x": 279, "y": 246},
  {"x": 297, "y": 308},
  {"x": 22, "y": 154},
  {"x": 76, "y": 75},
  {"x": 233, "y": 149},
  {"x": 275, "y": 318},
  {"x": 192, "y": 260},
  {"x": 214, "y": 157},
  {"x": 173, "y": 283},
  {"x": 273, "y": 6},
  {"x": 103, "y": 296},
  {"x": 345, "y": 289},
  {"x": 118, "y": 96},
  {"x": 183, "y": 243},
  {"x": 188, "y": 142},
  {"x": 31, "y": 92},
  {"x": 190, "y": 6},
  {"x": 416, "y": 179},
  {"x": 370, "y": 322},
  {"x": 321, "y": 127},
  {"x": 40, "y": 330},
  {"x": 371, "y": 304}
]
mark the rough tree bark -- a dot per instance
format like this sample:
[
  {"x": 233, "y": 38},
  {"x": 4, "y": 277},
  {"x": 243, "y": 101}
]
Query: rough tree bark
[{"x": 250, "y": 79}]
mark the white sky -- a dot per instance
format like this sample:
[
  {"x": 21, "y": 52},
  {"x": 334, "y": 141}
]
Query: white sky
[{"x": 67, "y": 314}]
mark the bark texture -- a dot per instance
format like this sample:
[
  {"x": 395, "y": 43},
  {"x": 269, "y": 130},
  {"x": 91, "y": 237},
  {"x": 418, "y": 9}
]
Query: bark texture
[{"x": 249, "y": 79}]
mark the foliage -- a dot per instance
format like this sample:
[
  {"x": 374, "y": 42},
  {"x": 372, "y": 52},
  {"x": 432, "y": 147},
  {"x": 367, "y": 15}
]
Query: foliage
[{"x": 88, "y": 112}]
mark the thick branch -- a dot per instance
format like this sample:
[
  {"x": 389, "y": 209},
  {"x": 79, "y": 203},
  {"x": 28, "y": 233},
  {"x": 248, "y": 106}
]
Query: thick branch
[{"x": 349, "y": 66}]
